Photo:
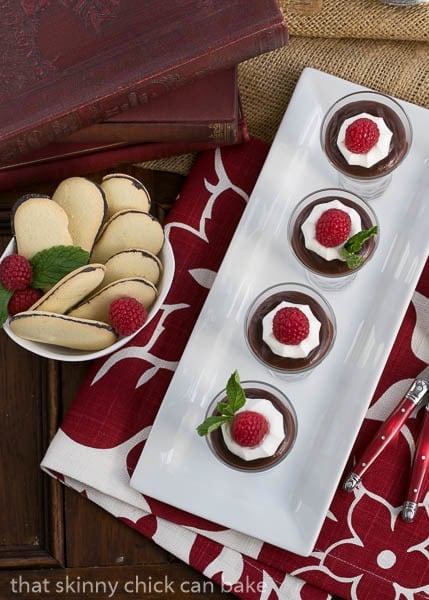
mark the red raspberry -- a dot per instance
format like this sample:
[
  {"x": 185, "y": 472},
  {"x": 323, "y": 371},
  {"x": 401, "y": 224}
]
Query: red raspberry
[
  {"x": 249, "y": 428},
  {"x": 15, "y": 272},
  {"x": 22, "y": 300},
  {"x": 290, "y": 326},
  {"x": 333, "y": 228},
  {"x": 127, "y": 315},
  {"x": 361, "y": 136}
]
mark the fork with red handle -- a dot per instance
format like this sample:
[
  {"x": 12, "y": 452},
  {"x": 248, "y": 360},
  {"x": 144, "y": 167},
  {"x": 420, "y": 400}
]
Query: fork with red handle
[{"x": 416, "y": 396}]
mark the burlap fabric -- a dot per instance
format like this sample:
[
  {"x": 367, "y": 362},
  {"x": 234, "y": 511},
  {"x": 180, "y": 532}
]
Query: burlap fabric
[
  {"x": 266, "y": 83},
  {"x": 364, "y": 41},
  {"x": 356, "y": 19}
]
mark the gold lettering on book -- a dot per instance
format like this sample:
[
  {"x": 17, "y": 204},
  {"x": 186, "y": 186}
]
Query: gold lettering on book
[{"x": 221, "y": 132}]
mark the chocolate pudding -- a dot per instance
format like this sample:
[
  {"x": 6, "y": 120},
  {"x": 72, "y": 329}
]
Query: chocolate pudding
[
  {"x": 218, "y": 445},
  {"x": 263, "y": 351},
  {"x": 315, "y": 262},
  {"x": 398, "y": 144}
]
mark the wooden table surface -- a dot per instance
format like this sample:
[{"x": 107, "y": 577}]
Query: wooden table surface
[{"x": 53, "y": 540}]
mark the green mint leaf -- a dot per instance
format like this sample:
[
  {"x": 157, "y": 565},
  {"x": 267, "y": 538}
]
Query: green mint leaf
[
  {"x": 235, "y": 400},
  {"x": 223, "y": 408},
  {"x": 353, "y": 260},
  {"x": 52, "y": 264},
  {"x": 349, "y": 252},
  {"x": 5, "y": 296},
  {"x": 235, "y": 393},
  {"x": 212, "y": 423},
  {"x": 355, "y": 243}
]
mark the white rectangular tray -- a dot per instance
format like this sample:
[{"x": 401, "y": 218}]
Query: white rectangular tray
[{"x": 286, "y": 506}]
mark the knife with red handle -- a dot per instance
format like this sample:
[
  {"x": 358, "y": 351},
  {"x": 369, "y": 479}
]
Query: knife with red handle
[
  {"x": 420, "y": 466},
  {"x": 389, "y": 428}
]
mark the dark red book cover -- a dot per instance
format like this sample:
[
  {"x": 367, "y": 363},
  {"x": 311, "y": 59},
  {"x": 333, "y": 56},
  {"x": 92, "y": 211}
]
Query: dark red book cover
[
  {"x": 67, "y": 64},
  {"x": 206, "y": 109}
]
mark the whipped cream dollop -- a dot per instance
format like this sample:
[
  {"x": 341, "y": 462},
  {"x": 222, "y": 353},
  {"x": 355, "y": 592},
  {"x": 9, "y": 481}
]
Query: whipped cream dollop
[
  {"x": 301, "y": 350},
  {"x": 377, "y": 152},
  {"x": 308, "y": 229},
  {"x": 271, "y": 441}
]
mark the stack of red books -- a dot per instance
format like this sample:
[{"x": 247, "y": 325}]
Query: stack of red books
[{"x": 117, "y": 78}]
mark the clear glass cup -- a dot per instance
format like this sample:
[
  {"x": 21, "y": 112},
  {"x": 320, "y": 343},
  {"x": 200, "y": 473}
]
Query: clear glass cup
[
  {"x": 268, "y": 300},
  {"x": 335, "y": 274},
  {"x": 255, "y": 389},
  {"x": 368, "y": 183}
]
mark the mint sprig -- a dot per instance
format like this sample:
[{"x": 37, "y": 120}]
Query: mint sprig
[
  {"x": 235, "y": 400},
  {"x": 5, "y": 296},
  {"x": 52, "y": 264},
  {"x": 350, "y": 251}
]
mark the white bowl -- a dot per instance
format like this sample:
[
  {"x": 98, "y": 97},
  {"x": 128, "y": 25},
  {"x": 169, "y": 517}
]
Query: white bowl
[{"x": 70, "y": 355}]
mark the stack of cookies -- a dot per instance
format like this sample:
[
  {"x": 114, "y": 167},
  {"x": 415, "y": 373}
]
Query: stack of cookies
[{"x": 112, "y": 227}]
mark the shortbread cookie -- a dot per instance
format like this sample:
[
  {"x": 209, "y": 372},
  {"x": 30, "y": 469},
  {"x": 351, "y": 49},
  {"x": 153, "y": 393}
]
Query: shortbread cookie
[
  {"x": 123, "y": 191},
  {"x": 133, "y": 263},
  {"x": 71, "y": 289},
  {"x": 39, "y": 223},
  {"x": 128, "y": 229},
  {"x": 97, "y": 306},
  {"x": 86, "y": 207},
  {"x": 62, "y": 330}
]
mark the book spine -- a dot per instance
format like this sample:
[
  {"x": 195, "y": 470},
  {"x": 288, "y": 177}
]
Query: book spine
[
  {"x": 227, "y": 56},
  {"x": 55, "y": 168},
  {"x": 137, "y": 133}
]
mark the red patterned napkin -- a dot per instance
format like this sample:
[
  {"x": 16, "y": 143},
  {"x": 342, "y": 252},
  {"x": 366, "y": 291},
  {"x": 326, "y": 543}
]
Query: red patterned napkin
[{"x": 364, "y": 550}]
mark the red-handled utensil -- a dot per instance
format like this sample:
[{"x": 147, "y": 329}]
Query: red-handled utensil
[
  {"x": 389, "y": 428},
  {"x": 420, "y": 465}
]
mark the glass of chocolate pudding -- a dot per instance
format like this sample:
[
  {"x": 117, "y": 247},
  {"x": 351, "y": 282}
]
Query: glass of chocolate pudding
[
  {"x": 286, "y": 420},
  {"x": 290, "y": 358},
  {"x": 365, "y": 137},
  {"x": 331, "y": 268}
]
